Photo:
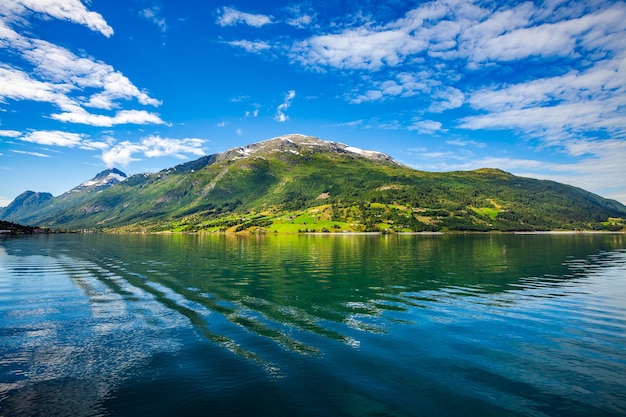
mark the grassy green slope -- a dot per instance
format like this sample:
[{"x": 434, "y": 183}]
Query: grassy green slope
[{"x": 325, "y": 191}]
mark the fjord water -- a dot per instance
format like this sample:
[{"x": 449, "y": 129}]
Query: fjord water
[{"x": 185, "y": 325}]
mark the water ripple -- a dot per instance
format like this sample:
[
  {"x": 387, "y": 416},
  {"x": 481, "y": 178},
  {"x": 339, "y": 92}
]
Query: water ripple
[{"x": 394, "y": 324}]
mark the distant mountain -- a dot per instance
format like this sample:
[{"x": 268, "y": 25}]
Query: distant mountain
[
  {"x": 101, "y": 182},
  {"x": 29, "y": 207},
  {"x": 300, "y": 183},
  {"x": 23, "y": 204}
]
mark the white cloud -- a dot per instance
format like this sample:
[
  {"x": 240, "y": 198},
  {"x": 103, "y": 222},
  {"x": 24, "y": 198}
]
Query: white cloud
[
  {"x": 120, "y": 154},
  {"x": 77, "y": 114},
  {"x": 59, "y": 65},
  {"x": 280, "y": 111},
  {"x": 463, "y": 29},
  {"x": 550, "y": 39},
  {"x": 10, "y": 133},
  {"x": 250, "y": 46},
  {"x": 229, "y": 17},
  {"x": 253, "y": 113},
  {"x": 152, "y": 147},
  {"x": 17, "y": 85},
  {"x": 426, "y": 127},
  {"x": 300, "y": 16},
  {"x": 71, "y": 10},
  {"x": 445, "y": 99},
  {"x": 156, "y": 146},
  {"x": 152, "y": 14},
  {"x": 563, "y": 105},
  {"x": 58, "y": 76},
  {"x": 62, "y": 139},
  {"x": 37, "y": 154},
  {"x": 239, "y": 99},
  {"x": 301, "y": 21},
  {"x": 404, "y": 84},
  {"x": 460, "y": 142},
  {"x": 554, "y": 125},
  {"x": 361, "y": 48},
  {"x": 353, "y": 123},
  {"x": 54, "y": 138},
  {"x": 430, "y": 53}
]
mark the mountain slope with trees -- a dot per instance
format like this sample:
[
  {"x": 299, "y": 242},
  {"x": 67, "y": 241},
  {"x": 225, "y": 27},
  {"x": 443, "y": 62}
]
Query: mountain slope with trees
[{"x": 299, "y": 183}]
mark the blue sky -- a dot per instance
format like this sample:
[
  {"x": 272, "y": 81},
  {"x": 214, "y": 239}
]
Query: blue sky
[{"x": 534, "y": 88}]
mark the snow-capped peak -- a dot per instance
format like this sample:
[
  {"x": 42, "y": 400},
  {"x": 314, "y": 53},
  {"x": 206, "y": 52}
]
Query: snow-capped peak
[{"x": 102, "y": 181}]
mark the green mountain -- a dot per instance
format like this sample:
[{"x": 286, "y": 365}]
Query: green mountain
[
  {"x": 24, "y": 204},
  {"x": 32, "y": 208},
  {"x": 300, "y": 183}
]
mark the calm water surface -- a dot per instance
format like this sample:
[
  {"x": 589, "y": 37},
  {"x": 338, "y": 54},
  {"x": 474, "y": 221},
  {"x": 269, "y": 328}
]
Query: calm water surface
[{"x": 494, "y": 325}]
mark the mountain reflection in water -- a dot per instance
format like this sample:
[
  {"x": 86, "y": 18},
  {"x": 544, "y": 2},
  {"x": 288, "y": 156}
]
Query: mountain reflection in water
[{"x": 313, "y": 325}]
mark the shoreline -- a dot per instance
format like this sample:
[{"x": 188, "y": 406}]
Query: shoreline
[{"x": 451, "y": 232}]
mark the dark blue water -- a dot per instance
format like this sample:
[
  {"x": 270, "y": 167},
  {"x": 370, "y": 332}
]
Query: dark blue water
[{"x": 453, "y": 325}]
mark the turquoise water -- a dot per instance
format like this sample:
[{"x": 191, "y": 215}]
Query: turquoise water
[{"x": 446, "y": 325}]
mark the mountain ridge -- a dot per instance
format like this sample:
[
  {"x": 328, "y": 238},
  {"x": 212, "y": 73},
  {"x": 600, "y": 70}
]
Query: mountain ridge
[
  {"x": 297, "y": 183},
  {"x": 101, "y": 181}
]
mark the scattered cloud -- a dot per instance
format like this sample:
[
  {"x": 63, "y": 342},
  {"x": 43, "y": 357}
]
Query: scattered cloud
[
  {"x": 10, "y": 133},
  {"x": 59, "y": 77},
  {"x": 551, "y": 72},
  {"x": 62, "y": 139},
  {"x": 280, "y": 111},
  {"x": 229, "y": 16},
  {"x": 18, "y": 85},
  {"x": 463, "y": 29},
  {"x": 239, "y": 99},
  {"x": 250, "y": 46},
  {"x": 430, "y": 54},
  {"x": 153, "y": 14},
  {"x": 425, "y": 127},
  {"x": 80, "y": 115},
  {"x": 403, "y": 84},
  {"x": 71, "y": 10},
  {"x": 114, "y": 153},
  {"x": 37, "y": 154},
  {"x": 152, "y": 146},
  {"x": 547, "y": 39},
  {"x": 445, "y": 99},
  {"x": 253, "y": 113},
  {"x": 299, "y": 16},
  {"x": 58, "y": 65},
  {"x": 558, "y": 107},
  {"x": 461, "y": 142},
  {"x": 54, "y": 138},
  {"x": 301, "y": 21},
  {"x": 373, "y": 123},
  {"x": 353, "y": 123},
  {"x": 361, "y": 48}
]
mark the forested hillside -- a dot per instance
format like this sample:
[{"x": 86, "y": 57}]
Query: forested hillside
[{"x": 298, "y": 183}]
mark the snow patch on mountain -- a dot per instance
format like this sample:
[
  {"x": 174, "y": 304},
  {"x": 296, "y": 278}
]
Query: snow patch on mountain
[
  {"x": 295, "y": 142},
  {"x": 102, "y": 181},
  {"x": 111, "y": 178}
]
